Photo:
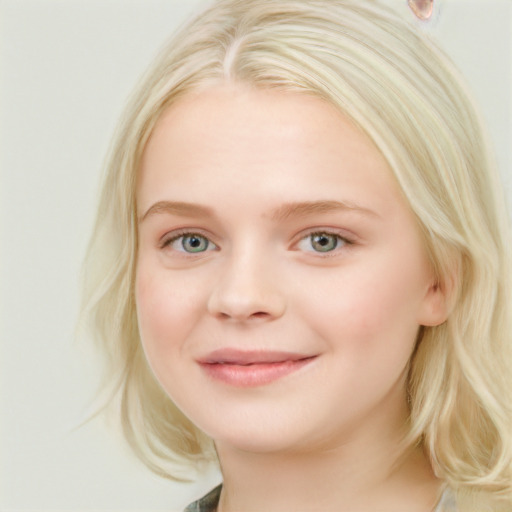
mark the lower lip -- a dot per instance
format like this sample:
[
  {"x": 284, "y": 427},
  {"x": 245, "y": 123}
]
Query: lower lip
[{"x": 252, "y": 375}]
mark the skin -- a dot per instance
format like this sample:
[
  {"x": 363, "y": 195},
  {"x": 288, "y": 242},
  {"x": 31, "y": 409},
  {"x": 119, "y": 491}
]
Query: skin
[{"x": 323, "y": 437}]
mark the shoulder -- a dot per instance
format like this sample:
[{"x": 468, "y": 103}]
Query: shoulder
[{"x": 207, "y": 503}]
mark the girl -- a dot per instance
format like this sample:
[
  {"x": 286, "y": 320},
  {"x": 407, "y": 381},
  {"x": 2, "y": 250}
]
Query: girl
[{"x": 301, "y": 266}]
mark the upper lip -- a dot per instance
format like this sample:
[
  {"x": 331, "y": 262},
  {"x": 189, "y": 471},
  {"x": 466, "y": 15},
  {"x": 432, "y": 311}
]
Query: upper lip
[{"x": 247, "y": 357}]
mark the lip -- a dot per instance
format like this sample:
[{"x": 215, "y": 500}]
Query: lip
[{"x": 252, "y": 368}]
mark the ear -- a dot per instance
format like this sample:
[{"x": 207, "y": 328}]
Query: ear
[{"x": 438, "y": 301}]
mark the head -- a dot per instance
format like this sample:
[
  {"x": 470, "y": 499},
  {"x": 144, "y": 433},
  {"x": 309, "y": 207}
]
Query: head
[{"x": 374, "y": 69}]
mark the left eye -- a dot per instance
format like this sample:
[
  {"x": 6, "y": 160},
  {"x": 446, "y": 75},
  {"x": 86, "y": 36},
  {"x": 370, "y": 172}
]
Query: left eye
[
  {"x": 191, "y": 243},
  {"x": 321, "y": 242}
]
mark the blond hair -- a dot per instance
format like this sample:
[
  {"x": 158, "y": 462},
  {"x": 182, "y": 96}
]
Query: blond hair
[{"x": 397, "y": 87}]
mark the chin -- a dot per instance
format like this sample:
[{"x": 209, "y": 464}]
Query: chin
[
  {"x": 262, "y": 438},
  {"x": 263, "y": 445}
]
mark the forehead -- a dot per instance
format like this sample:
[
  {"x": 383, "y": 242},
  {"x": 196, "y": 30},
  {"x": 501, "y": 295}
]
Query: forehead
[
  {"x": 248, "y": 138},
  {"x": 255, "y": 116}
]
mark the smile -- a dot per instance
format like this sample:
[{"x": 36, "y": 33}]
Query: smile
[{"x": 252, "y": 368}]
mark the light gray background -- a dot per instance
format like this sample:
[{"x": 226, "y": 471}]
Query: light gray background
[{"x": 67, "y": 67}]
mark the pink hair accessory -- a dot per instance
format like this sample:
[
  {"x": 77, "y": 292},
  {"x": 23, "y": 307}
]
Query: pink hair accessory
[{"x": 422, "y": 8}]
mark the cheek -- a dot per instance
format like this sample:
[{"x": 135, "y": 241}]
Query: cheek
[
  {"x": 369, "y": 309},
  {"x": 166, "y": 312}
]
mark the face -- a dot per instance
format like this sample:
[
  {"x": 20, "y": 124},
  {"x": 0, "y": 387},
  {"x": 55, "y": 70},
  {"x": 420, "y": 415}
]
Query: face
[{"x": 281, "y": 278}]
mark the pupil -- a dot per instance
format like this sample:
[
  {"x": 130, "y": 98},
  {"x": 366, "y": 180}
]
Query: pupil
[
  {"x": 323, "y": 242},
  {"x": 194, "y": 243}
]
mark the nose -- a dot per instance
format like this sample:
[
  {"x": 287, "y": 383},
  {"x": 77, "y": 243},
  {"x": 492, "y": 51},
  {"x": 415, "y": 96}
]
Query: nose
[{"x": 246, "y": 290}]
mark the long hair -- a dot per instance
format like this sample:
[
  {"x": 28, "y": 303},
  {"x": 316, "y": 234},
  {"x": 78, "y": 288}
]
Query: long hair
[{"x": 401, "y": 90}]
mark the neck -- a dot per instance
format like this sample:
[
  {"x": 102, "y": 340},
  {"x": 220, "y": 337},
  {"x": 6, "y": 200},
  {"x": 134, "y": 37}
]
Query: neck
[{"x": 360, "y": 474}]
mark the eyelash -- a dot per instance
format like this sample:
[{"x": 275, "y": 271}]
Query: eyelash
[
  {"x": 168, "y": 241},
  {"x": 341, "y": 241}
]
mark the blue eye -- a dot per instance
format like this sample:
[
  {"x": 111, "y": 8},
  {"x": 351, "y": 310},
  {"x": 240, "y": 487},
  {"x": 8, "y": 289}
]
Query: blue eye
[
  {"x": 191, "y": 243},
  {"x": 321, "y": 242}
]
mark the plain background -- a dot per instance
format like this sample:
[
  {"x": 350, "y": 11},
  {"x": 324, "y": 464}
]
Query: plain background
[{"x": 67, "y": 67}]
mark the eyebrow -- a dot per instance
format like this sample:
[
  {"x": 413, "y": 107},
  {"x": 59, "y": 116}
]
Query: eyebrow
[
  {"x": 177, "y": 208},
  {"x": 282, "y": 213},
  {"x": 303, "y": 209}
]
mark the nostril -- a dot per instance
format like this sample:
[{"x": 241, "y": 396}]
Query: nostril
[
  {"x": 260, "y": 314},
  {"x": 234, "y": 316},
  {"x": 231, "y": 300}
]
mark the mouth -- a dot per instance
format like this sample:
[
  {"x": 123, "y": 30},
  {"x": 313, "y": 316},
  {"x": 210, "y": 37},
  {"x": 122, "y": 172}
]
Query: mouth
[{"x": 252, "y": 368}]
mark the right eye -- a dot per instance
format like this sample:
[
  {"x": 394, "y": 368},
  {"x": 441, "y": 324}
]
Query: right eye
[{"x": 191, "y": 243}]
